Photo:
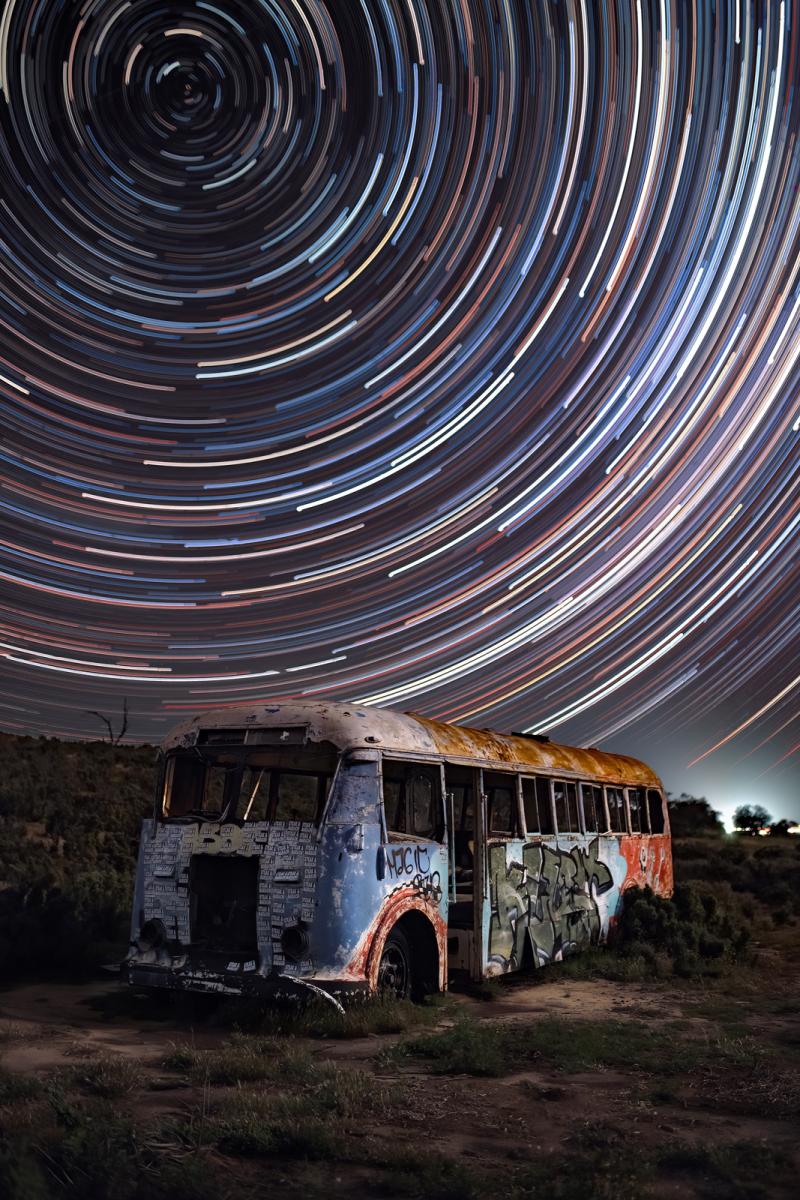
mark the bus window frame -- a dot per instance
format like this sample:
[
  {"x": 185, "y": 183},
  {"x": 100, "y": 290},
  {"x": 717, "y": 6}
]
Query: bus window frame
[
  {"x": 501, "y": 835},
  {"x": 422, "y": 761},
  {"x": 644, "y": 816},
  {"x": 617, "y": 787},
  {"x": 567, "y": 833},
  {"x": 536, "y": 833},
  {"x": 522, "y": 829},
  {"x": 663, "y": 811},
  {"x": 602, "y": 812}
]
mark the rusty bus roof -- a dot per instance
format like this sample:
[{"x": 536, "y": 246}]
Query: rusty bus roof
[{"x": 353, "y": 726}]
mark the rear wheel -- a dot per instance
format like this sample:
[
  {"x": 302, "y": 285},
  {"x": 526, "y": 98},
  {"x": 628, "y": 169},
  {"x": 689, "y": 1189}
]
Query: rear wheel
[{"x": 394, "y": 969}]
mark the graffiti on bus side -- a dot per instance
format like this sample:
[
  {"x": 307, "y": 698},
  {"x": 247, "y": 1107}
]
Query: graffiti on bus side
[
  {"x": 549, "y": 896},
  {"x": 410, "y": 867},
  {"x": 407, "y": 860}
]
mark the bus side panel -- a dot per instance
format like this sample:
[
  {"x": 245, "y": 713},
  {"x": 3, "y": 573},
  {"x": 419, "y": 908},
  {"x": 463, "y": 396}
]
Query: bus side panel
[
  {"x": 549, "y": 898},
  {"x": 649, "y": 859},
  {"x": 348, "y": 897},
  {"x": 363, "y": 893}
]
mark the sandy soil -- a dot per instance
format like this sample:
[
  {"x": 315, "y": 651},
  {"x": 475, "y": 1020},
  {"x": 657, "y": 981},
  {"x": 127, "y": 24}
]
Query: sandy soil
[{"x": 484, "y": 1122}]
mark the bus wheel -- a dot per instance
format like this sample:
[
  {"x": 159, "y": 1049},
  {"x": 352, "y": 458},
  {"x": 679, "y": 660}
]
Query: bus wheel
[{"x": 394, "y": 969}]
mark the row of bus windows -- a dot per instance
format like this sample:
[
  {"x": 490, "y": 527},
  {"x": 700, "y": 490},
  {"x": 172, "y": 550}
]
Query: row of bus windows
[
  {"x": 412, "y": 804},
  {"x": 589, "y": 808},
  {"x": 412, "y": 797}
]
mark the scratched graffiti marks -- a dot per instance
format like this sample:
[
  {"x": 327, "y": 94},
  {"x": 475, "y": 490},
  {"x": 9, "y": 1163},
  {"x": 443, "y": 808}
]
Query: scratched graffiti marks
[
  {"x": 410, "y": 866},
  {"x": 550, "y": 896}
]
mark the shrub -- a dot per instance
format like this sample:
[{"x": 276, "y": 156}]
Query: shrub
[
  {"x": 692, "y": 932},
  {"x": 21, "y": 1176},
  {"x": 765, "y": 873},
  {"x": 69, "y": 828},
  {"x": 16, "y": 1088}
]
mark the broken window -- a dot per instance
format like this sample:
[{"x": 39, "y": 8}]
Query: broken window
[
  {"x": 616, "y": 810},
  {"x": 655, "y": 809},
  {"x": 536, "y": 803},
  {"x": 194, "y": 787},
  {"x": 256, "y": 790},
  {"x": 297, "y": 797},
  {"x": 565, "y": 796},
  {"x": 594, "y": 813},
  {"x": 412, "y": 798}
]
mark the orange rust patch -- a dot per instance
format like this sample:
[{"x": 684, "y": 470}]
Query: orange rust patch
[
  {"x": 529, "y": 755},
  {"x": 649, "y": 862},
  {"x": 365, "y": 962}
]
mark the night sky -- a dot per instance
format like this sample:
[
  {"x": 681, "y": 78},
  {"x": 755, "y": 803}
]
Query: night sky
[{"x": 441, "y": 355}]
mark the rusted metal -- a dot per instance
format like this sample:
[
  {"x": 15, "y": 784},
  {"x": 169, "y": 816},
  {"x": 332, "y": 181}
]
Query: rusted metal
[
  {"x": 349, "y": 726},
  {"x": 346, "y": 887}
]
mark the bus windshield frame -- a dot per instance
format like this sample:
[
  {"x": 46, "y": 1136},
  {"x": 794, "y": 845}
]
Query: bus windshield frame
[{"x": 242, "y": 786}]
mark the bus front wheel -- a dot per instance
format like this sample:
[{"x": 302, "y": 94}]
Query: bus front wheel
[{"x": 394, "y": 969}]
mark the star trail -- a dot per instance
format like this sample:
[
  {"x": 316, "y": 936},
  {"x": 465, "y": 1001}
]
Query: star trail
[{"x": 439, "y": 355}]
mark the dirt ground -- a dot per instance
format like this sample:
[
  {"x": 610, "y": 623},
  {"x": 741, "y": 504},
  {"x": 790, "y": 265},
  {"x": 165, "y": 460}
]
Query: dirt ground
[{"x": 722, "y": 1115}]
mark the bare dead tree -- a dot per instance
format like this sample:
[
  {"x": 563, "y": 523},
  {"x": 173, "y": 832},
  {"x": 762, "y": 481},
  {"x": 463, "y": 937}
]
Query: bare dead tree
[{"x": 114, "y": 738}]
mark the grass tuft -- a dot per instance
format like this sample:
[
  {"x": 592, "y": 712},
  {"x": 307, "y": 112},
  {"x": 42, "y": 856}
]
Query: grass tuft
[
  {"x": 492, "y": 1049},
  {"x": 106, "y": 1076},
  {"x": 240, "y": 1060},
  {"x": 736, "y": 1171},
  {"x": 415, "y": 1175},
  {"x": 305, "y": 1122},
  {"x": 362, "y": 1017},
  {"x": 16, "y": 1088}
]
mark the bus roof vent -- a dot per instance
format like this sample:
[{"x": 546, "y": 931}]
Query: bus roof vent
[
  {"x": 276, "y": 735},
  {"x": 220, "y": 737},
  {"x": 534, "y": 737}
]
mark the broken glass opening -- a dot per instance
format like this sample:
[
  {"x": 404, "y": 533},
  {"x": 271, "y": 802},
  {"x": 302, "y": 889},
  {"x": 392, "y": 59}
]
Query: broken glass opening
[{"x": 242, "y": 786}]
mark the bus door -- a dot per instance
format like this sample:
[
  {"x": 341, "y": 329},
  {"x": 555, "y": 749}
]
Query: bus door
[
  {"x": 505, "y": 903},
  {"x": 466, "y": 874}
]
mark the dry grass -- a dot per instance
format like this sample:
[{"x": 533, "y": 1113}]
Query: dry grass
[{"x": 108, "y": 1076}]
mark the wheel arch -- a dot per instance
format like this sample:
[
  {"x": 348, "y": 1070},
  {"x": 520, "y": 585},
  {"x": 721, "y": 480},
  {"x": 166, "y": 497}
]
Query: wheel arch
[{"x": 427, "y": 938}]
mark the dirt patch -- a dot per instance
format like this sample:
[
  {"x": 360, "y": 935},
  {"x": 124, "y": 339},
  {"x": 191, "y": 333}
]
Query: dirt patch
[{"x": 361, "y": 1116}]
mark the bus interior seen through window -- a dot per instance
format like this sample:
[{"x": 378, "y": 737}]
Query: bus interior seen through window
[
  {"x": 255, "y": 790},
  {"x": 536, "y": 805},
  {"x": 616, "y": 810},
  {"x": 458, "y": 782},
  {"x": 565, "y": 796},
  {"x": 594, "y": 814},
  {"x": 501, "y": 803},
  {"x": 412, "y": 800},
  {"x": 636, "y": 808}
]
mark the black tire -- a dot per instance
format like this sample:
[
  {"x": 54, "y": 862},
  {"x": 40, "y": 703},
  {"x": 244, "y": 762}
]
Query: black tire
[{"x": 395, "y": 974}]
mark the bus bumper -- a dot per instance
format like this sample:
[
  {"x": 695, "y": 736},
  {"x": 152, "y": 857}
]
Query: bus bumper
[{"x": 268, "y": 987}]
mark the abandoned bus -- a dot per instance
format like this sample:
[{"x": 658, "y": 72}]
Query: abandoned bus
[{"x": 342, "y": 847}]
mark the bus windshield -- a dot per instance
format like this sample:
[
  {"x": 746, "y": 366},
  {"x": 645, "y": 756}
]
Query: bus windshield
[{"x": 254, "y": 787}]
